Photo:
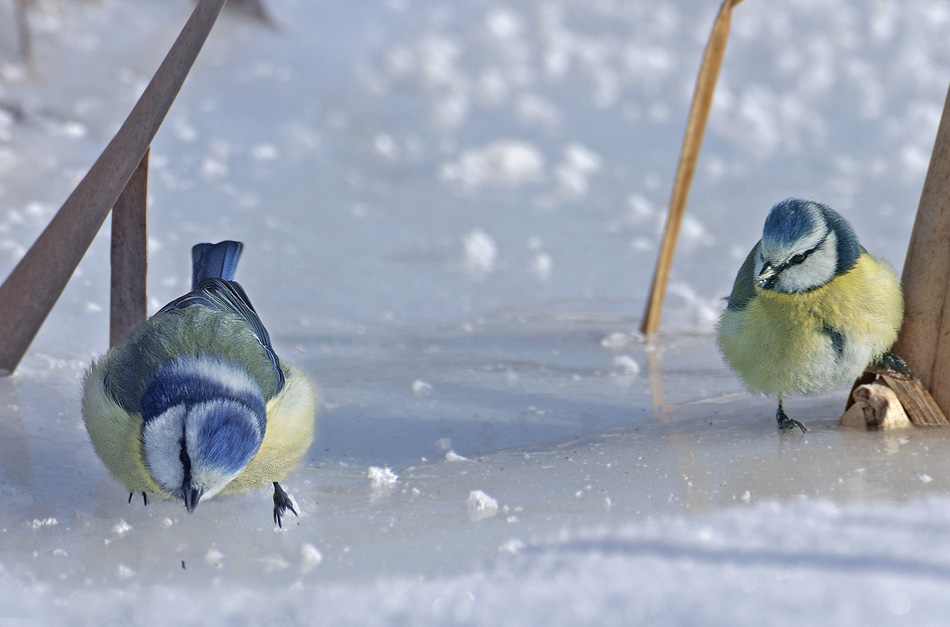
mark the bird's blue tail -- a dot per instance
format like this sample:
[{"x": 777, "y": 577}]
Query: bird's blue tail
[{"x": 214, "y": 261}]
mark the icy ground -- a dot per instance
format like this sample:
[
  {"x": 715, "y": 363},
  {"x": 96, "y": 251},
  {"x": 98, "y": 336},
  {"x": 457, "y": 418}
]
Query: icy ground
[{"x": 451, "y": 213}]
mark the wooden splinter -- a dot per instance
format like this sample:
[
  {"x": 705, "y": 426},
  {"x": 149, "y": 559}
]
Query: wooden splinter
[{"x": 885, "y": 399}]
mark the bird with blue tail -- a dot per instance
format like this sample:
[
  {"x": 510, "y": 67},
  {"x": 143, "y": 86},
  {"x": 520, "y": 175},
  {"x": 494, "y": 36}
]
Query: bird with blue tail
[
  {"x": 810, "y": 308},
  {"x": 197, "y": 403}
]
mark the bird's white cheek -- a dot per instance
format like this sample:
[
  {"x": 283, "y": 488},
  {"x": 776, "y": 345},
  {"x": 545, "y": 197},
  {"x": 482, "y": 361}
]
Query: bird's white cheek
[
  {"x": 817, "y": 270},
  {"x": 162, "y": 437}
]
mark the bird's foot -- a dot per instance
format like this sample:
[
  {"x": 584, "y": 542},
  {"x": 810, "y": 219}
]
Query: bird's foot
[
  {"x": 282, "y": 503},
  {"x": 894, "y": 363},
  {"x": 785, "y": 423}
]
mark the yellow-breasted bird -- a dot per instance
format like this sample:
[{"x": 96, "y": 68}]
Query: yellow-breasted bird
[
  {"x": 810, "y": 308},
  {"x": 197, "y": 403}
]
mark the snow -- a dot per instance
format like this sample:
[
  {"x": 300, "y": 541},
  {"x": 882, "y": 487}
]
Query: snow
[
  {"x": 451, "y": 213},
  {"x": 381, "y": 477},
  {"x": 503, "y": 162}
]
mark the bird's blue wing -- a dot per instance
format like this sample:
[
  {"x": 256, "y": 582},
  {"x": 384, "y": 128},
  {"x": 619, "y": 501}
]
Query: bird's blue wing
[
  {"x": 744, "y": 287},
  {"x": 229, "y": 297}
]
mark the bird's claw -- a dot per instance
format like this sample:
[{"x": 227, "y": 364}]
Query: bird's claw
[
  {"x": 790, "y": 423},
  {"x": 785, "y": 423},
  {"x": 894, "y": 363},
  {"x": 282, "y": 503}
]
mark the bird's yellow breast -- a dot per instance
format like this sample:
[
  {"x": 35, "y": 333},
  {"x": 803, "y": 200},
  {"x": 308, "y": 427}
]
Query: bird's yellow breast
[
  {"x": 116, "y": 434},
  {"x": 783, "y": 343}
]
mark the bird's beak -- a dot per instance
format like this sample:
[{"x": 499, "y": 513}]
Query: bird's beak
[
  {"x": 191, "y": 497},
  {"x": 767, "y": 277}
]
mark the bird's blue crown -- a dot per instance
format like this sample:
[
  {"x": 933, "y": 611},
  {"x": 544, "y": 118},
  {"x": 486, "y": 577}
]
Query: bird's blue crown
[
  {"x": 225, "y": 439},
  {"x": 794, "y": 219},
  {"x": 791, "y": 220}
]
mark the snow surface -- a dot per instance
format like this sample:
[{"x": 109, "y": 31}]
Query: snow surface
[{"x": 451, "y": 213}]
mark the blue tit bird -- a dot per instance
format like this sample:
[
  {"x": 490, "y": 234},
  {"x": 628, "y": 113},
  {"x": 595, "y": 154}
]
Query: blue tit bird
[
  {"x": 810, "y": 308},
  {"x": 197, "y": 403}
]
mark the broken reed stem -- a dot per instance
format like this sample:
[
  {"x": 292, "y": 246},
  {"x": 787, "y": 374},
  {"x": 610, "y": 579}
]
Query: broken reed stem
[
  {"x": 34, "y": 285},
  {"x": 692, "y": 141},
  {"x": 917, "y": 402},
  {"x": 924, "y": 339},
  {"x": 129, "y": 257}
]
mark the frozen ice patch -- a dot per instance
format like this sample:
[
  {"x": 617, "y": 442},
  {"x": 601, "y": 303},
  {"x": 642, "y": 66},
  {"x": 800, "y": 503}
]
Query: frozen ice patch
[
  {"x": 381, "y": 477},
  {"x": 421, "y": 388},
  {"x": 480, "y": 253},
  {"x": 215, "y": 165},
  {"x": 513, "y": 546},
  {"x": 542, "y": 265},
  {"x": 703, "y": 312},
  {"x": 481, "y": 506},
  {"x": 617, "y": 339},
  {"x": 184, "y": 130},
  {"x": 385, "y": 146},
  {"x": 121, "y": 528},
  {"x": 452, "y": 456},
  {"x": 265, "y": 152},
  {"x": 692, "y": 232},
  {"x": 45, "y": 522},
  {"x": 310, "y": 557},
  {"x": 503, "y": 23},
  {"x": 534, "y": 109},
  {"x": 504, "y": 162},
  {"x": 72, "y": 129},
  {"x": 628, "y": 364},
  {"x": 8, "y": 157},
  {"x": 214, "y": 557},
  {"x": 273, "y": 563},
  {"x": 575, "y": 169}
]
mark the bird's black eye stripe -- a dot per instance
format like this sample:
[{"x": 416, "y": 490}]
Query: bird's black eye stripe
[{"x": 801, "y": 257}]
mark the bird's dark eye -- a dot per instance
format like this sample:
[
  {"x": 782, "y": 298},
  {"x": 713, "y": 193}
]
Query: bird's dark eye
[{"x": 797, "y": 259}]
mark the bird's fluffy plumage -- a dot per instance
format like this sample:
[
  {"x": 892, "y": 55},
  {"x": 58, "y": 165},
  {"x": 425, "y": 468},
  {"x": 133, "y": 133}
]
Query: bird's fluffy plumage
[
  {"x": 810, "y": 308},
  {"x": 197, "y": 403},
  {"x": 116, "y": 433}
]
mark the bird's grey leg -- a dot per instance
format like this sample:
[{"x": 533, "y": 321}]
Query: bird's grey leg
[
  {"x": 144, "y": 497},
  {"x": 894, "y": 363},
  {"x": 282, "y": 503},
  {"x": 784, "y": 422}
]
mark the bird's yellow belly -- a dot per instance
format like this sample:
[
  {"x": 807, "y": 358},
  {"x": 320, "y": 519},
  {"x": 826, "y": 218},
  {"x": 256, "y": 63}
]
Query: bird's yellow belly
[{"x": 785, "y": 343}]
